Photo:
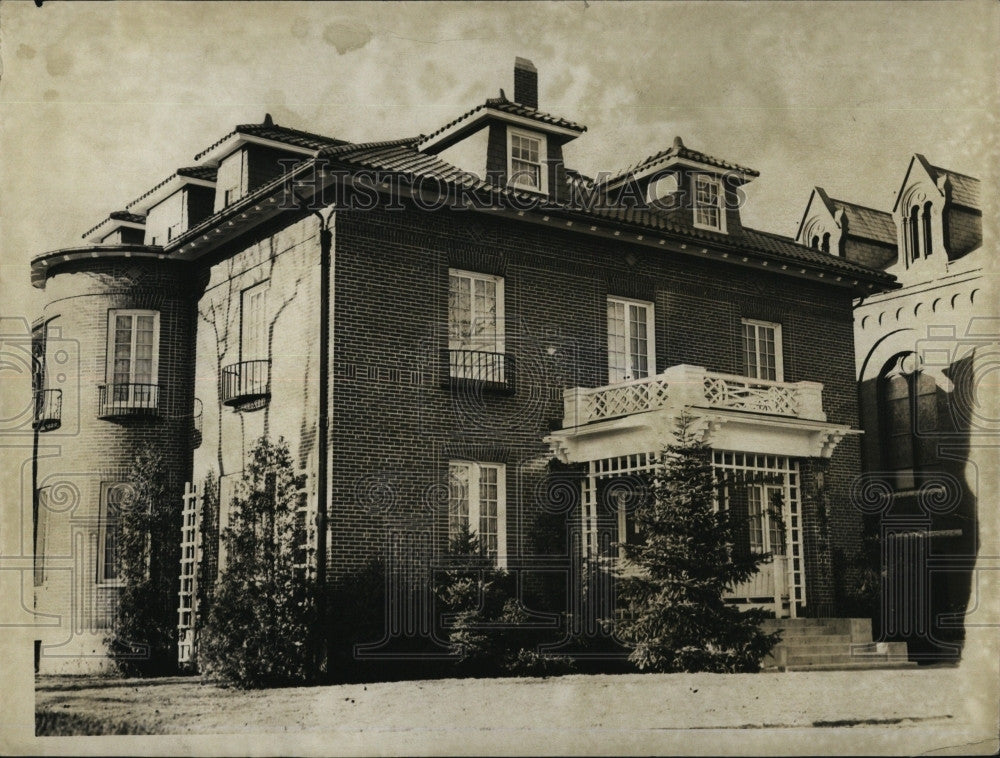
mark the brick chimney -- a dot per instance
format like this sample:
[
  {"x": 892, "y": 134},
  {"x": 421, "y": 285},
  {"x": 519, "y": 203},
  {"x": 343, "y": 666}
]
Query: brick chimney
[{"x": 525, "y": 83}]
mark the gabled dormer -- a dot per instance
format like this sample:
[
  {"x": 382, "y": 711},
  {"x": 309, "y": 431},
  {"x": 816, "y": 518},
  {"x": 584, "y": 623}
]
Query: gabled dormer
[
  {"x": 254, "y": 154},
  {"x": 937, "y": 214},
  {"x": 178, "y": 203},
  {"x": 690, "y": 187},
  {"x": 855, "y": 232},
  {"x": 509, "y": 142},
  {"x": 119, "y": 228}
]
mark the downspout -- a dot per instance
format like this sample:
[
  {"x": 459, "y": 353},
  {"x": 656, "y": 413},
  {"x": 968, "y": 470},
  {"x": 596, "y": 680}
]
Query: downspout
[{"x": 325, "y": 310}]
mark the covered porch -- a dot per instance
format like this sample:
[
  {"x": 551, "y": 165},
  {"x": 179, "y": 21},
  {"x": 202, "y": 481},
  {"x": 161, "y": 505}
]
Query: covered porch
[{"x": 758, "y": 430}]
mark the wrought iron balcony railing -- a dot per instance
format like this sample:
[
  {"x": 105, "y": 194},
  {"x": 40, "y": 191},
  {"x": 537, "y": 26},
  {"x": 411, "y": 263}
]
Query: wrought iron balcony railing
[
  {"x": 116, "y": 400},
  {"x": 48, "y": 410},
  {"x": 246, "y": 385},
  {"x": 490, "y": 371}
]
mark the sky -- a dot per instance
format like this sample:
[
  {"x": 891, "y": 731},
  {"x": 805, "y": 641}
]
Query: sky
[{"x": 100, "y": 101}]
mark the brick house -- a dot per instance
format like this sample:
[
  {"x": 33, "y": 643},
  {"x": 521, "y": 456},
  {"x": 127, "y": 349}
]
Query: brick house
[
  {"x": 450, "y": 328},
  {"x": 922, "y": 353}
]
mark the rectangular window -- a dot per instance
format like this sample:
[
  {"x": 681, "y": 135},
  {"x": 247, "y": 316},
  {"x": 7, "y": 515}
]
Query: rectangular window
[
  {"x": 476, "y": 326},
  {"x": 762, "y": 357},
  {"x": 133, "y": 354},
  {"x": 253, "y": 323},
  {"x": 527, "y": 161},
  {"x": 112, "y": 500},
  {"x": 708, "y": 205},
  {"x": 631, "y": 349},
  {"x": 477, "y": 501}
]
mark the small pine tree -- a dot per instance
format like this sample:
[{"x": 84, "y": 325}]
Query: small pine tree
[
  {"x": 263, "y": 626},
  {"x": 143, "y": 635},
  {"x": 675, "y": 617}
]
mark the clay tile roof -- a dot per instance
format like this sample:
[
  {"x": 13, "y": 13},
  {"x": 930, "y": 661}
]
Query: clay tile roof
[
  {"x": 867, "y": 222},
  {"x": 680, "y": 150},
  {"x": 505, "y": 105},
  {"x": 134, "y": 218},
  {"x": 271, "y": 131},
  {"x": 206, "y": 173},
  {"x": 403, "y": 157}
]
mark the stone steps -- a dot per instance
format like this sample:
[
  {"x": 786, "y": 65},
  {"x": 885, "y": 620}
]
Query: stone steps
[{"x": 829, "y": 644}]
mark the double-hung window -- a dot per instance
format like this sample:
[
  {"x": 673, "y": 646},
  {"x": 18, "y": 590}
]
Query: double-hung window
[
  {"x": 133, "y": 350},
  {"x": 477, "y": 503},
  {"x": 762, "y": 350},
  {"x": 708, "y": 205},
  {"x": 476, "y": 326},
  {"x": 631, "y": 351},
  {"x": 526, "y": 160},
  {"x": 254, "y": 370}
]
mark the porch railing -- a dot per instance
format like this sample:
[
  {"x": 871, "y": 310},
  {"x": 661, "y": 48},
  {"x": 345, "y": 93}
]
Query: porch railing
[
  {"x": 693, "y": 386},
  {"x": 48, "y": 410}
]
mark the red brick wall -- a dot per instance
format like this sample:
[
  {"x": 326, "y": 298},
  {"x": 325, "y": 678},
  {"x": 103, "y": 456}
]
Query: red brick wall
[{"x": 395, "y": 427}]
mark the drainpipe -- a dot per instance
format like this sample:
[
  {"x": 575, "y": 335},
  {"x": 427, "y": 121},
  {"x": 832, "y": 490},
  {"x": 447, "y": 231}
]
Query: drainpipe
[{"x": 322, "y": 473}]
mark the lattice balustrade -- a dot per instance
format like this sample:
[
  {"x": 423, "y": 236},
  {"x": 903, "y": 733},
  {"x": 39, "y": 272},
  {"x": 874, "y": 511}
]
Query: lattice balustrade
[
  {"x": 624, "y": 399},
  {"x": 750, "y": 395}
]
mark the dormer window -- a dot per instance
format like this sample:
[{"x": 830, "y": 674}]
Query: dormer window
[
  {"x": 707, "y": 193},
  {"x": 526, "y": 161},
  {"x": 232, "y": 179}
]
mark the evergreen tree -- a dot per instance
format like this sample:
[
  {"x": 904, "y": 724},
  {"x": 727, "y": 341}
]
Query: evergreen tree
[
  {"x": 263, "y": 625},
  {"x": 143, "y": 636},
  {"x": 675, "y": 617}
]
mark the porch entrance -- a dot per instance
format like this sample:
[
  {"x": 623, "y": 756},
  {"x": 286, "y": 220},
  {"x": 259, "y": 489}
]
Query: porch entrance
[{"x": 767, "y": 496}]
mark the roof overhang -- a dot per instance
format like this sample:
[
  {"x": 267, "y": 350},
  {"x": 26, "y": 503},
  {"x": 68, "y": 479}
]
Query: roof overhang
[
  {"x": 656, "y": 167},
  {"x": 213, "y": 155},
  {"x": 165, "y": 189},
  {"x": 42, "y": 265},
  {"x": 107, "y": 226},
  {"x": 478, "y": 119}
]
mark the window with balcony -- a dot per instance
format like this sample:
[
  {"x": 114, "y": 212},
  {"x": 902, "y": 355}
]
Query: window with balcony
[
  {"x": 762, "y": 357},
  {"x": 249, "y": 380},
  {"x": 133, "y": 352},
  {"x": 477, "y": 502},
  {"x": 708, "y": 202},
  {"x": 631, "y": 347},
  {"x": 113, "y": 498},
  {"x": 476, "y": 349},
  {"x": 526, "y": 161}
]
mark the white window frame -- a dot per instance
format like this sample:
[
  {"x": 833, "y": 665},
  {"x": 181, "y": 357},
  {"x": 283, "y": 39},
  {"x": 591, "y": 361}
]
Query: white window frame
[
  {"x": 102, "y": 538},
  {"x": 494, "y": 344},
  {"x": 779, "y": 363},
  {"x": 113, "y": 315},
  {"x": 264, "y": 349},
  {"x": 650, "y": 310},
  {"x": 475, "y": 469},
  {"x": 697, "y": 206},
  {"x": 237, "y": 186},
  {"x": 543, "y": 164}
]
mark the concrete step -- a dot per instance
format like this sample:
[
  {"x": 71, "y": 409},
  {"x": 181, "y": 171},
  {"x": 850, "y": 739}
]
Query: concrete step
[
  {"x": 867, "y": 665},
  {"x": 836, "y": 656},
  {"x": 797, "y": 640}
]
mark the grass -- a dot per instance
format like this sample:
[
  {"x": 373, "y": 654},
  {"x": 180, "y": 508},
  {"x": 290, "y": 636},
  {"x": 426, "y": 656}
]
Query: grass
[{"x": 49, "y": 723}]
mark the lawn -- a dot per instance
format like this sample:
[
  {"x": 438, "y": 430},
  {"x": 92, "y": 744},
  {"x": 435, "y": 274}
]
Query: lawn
[{"x": 566, "y": 709}]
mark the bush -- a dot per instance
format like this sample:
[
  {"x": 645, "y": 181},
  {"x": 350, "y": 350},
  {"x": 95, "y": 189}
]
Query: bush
[
  {"x": 489, "y": 630},
  {"x": 263, "y": 626}
]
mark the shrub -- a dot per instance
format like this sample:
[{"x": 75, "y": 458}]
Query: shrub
[{"x": 263, "y": 626}]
